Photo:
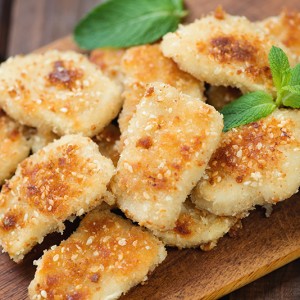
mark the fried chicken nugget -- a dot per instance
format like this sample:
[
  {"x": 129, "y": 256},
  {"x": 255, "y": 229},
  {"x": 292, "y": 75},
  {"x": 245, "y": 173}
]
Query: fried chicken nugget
[
  {"x": 109, "y": 61},
  {"x": 285, "y": 28},
  {"x": 224, "y": 50},
  {"x": 61, "y": 92},
  {"x": 14, "y": 147},
  {"x": 103, "y": 259},
  {"x": 195, "y": 228},
  {"x": 66, "y": 178},
  {"x": 170, "y": 140},
  {"x": 255, "y": 164},
  {"x": 145, "y": 64}
]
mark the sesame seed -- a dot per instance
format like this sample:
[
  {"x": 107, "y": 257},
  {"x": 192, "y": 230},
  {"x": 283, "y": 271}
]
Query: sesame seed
[
  {"x": 122, "y": 242},
  {"x": 56, "y": 257},
  {"x": 89, "y": 241},
  {"x": 74, "y": 256},
  {"x": 239, "y": 153},
  {"x": 259, "y": 146},
  {"x": 146, "y": 195},
  {"x": 44, "y": 294},
  {"x": 64, "y": 109}
]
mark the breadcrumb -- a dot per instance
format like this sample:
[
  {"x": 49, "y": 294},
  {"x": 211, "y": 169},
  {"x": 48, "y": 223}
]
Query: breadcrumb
[
  {"x": 227, "y": 50},
  {"x": 145, "y": 64},
  {"x": 255, "y": 164},
  {"x": 170, "y": 140},
  {"x": 66, "y": 178},
  {"x": 285, "y": 28},
  {"x": 196, "y": 228},
  {"x": 103, "y": 259},
  {"x": 14, "y": 147},
  {"x": 61, "y": 92}
]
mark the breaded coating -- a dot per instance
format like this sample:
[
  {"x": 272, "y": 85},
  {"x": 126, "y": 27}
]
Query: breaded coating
[
  {"x": 109, "y": 61},
  {"x": 170, "y": 140},
  {"x": 219, "y": 96},
  {"x": 224, "y": 50},
  {"x": 14, "y": 147},
  {"x": 195, "y": 228},
  {"x": 103, "y": 259},
  {"x": 66, "y": 178},
  {"x": 40, "y": 138},
  {"x": 286, "y": 29},
  {"x": 108, "y": 142},
  {"x": 255, "y": 164},
  {"x": 61, "y": 92},
  {"x": 146, "y": 64}
]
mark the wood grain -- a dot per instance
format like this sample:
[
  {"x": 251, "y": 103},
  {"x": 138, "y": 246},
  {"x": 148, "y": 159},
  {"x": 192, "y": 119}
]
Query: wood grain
[{"x": 191, "y": 274}]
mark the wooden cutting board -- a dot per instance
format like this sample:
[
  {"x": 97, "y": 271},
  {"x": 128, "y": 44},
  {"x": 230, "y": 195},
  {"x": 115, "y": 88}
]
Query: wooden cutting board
[{"x": 263, "y": 245}]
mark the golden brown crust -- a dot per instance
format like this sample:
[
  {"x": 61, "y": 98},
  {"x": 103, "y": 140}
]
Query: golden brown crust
[
  {"x": 109, "y": 61},
  {"x": 146, "y": 64},
  {"x": 254, "y": 164},
  {"x": 14, "y": 146},
  {"x": 169, "y": 142},
  {"x": 56, "y": 91},
  {"x": 224, "y": 50},
  {"x": 66, "y": 178},
  {"x": 106, "y": 255},
  {"x": 286, "y": 29},
  {"x": 196, "y": 228}
]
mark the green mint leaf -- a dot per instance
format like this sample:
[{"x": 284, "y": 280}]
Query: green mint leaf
[
  {"x": 125, "y": 23},
  {"x": 291, "y": 100},
  {"x": 248, "y": 108},
  {"x": 295, "y": 89},
  {"x": 280, "y": 67},
  {"x": 295, "y": 76},
  {"x": 291, "y": 96}
]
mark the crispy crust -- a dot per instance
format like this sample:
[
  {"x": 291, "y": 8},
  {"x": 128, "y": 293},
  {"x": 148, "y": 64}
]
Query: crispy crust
[
  {"x": 285, "y": 28},
  {"x": 254, "y": 165},
  {"x": 109, "y": 61},
  {"x": 229, "y": 51},
  {"x": 14, "y": 147},
  {"x": 145, "y": 64},
  {"x": 196, "y": 228},
  {"x": 66, "y": 178},
  {"x": 61, "y": 92},
  {"x": 104, "y": 258},
  {"x": 170, "y": 140}
]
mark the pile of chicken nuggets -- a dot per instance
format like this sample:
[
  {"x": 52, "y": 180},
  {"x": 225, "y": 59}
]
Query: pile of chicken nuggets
[{"x": 179, "y": 180}]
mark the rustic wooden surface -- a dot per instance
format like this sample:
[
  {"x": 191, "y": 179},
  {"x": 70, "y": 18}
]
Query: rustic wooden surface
[{"x": 190, "y": 273}]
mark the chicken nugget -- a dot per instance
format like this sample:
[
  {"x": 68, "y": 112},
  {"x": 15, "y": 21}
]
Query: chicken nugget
[
  {"x": 224, "y": 50},
  {"x": 61, "y": 92},
  {"x": 255, "y": 164},
  {"x": 66, "y": 178},
  {"x": 195, "y": 228},
  {"x": 103, "y": 259},
  {"x": 170, "y": 140},
  {"x": 145, "y": 64}
]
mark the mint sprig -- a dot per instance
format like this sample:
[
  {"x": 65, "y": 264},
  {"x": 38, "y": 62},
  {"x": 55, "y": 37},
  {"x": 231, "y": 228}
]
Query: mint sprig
[
  {"x": 125, "y": 23},
  {"x": 256, "y": 105}
]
